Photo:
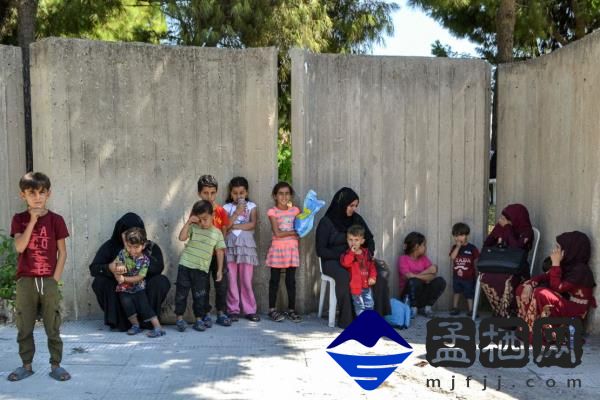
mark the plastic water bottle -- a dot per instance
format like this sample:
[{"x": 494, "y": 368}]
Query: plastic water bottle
[{"x": 571, "y": 337}]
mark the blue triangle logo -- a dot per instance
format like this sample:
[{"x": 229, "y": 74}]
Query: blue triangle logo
[{"x": 369, "y": 372}]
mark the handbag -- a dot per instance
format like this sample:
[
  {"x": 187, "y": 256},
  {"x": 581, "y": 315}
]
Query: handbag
[{"x": 506, "y": 260}]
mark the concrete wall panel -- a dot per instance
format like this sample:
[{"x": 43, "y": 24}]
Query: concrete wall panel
[
  {"x": 410, "y": 135},
  {"x": 122, "y": 127},
  {"x": 548, "y": 143},
  {"x": 12, "y": 134}
]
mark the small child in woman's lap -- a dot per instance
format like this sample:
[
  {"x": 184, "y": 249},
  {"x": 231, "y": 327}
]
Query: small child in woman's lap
[{"x": 131, "y": 267}]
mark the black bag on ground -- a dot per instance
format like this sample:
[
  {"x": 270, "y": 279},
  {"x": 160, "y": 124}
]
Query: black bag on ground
[{"x": 506, "y": 260}]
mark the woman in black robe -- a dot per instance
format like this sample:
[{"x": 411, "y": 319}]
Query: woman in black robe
[
  {"x": 331, "y": 243},
  {"x": 157, "y": 285}
]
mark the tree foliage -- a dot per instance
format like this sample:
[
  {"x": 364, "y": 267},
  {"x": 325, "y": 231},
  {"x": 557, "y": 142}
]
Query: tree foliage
[
  {"x": 320, "y": 26},
  {"x": 335, "y": 26},
  {"x": 119, "y": 20},
  {"x": 541, "y": 25}
]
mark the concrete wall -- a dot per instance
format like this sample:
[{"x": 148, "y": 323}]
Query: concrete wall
[
  {"x": 122, "y": 127},
  {"x": 548, "y": 143},
  {"x": 12, "y": 134},
  {"x": 410, "y": 135}
]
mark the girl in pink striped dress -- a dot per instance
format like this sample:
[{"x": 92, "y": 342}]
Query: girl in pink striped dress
[{"x": 283, "y": 253}]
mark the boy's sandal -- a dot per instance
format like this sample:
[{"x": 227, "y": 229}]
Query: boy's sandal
[
  {"x": 234, "y": 317},
  {"x": 154, "y": 333},
  {"x": 253, "y": 317},
  {"x": 454, "y": 311},
  {"x": 19, "y": 373},
  {"x": 134, "y": 330},
  {"x": 199, "y": 326},
  {"x": 276, "y": 316},
  {"x": 60, "y": 374},
  {"x": 181, "y": 325},
  {"x": 292, "y": 316},
  {"x": 207, "y": 321},
  {"x": 223, "y": 320}
]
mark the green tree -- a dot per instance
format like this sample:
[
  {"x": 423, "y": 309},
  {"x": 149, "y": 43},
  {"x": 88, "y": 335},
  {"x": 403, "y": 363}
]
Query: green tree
[
  {"x": 541, "y": 26},
  {"x": 320, "y": 26},
  {"x": 122, "y": 20}
]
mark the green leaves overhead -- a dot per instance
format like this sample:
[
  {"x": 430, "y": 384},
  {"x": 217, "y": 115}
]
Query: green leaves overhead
[{"x": 541, "y": 25}]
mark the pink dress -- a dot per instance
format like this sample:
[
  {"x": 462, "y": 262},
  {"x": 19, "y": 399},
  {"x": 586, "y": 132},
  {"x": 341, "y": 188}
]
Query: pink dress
[{"x": 283, "y": 252}]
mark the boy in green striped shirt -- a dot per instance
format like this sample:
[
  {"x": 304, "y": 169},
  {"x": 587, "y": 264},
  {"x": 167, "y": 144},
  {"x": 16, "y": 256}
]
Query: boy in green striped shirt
[{"x": 203, "y": 239}]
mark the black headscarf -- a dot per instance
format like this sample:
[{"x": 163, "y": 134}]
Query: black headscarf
[
  {"x": 109, "y": 250},
  {"x": 337, "y": 209},
  {"x": 575, "y": 263}
]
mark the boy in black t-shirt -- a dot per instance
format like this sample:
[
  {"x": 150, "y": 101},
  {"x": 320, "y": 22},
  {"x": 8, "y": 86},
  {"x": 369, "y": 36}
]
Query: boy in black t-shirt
[{"x": 463, "y": 255}]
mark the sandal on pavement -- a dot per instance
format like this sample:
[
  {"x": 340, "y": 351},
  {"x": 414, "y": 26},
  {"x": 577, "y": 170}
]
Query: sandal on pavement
[
  {"x": 134, "y": 330},
  {"x": 253, "y": 317},
  {"x": 60, "y": 374},
  {"x": 181, "y": 325},
  {"x": 223, "y": 320},
  {"x": 276, "y": 316},
  {"x": 207, "y": 321},
  {"x": 234, "y": 317},
  {"x": 199, "y": 326},
  {"x": 292, "y": 316},
  {"x": 154, "y": 333},
  {"x": 19, "y": 373}
]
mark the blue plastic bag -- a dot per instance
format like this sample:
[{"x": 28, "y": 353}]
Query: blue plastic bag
[
  {"x": 304, "y": 221},
  {"x": 400, "y": 317}
]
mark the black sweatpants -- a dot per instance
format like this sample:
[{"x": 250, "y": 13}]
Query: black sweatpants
[
  {"x": 290, "y": 286},
  {"x": 136, "y": 303},
  {"x": 423, "y": 294},
  {"x": 220, "y": 287},
  {"x": 197, "y": 281}
]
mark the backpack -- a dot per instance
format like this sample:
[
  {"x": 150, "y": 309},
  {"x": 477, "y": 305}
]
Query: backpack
[{"x": 400, "y": 316}]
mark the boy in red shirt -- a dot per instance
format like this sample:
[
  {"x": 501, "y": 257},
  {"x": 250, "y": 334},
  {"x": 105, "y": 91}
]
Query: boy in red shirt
[
  {"x": 207, "y": 190},
  {"x": 40, "y": 241},
  {"x": 362, "y": 269}
]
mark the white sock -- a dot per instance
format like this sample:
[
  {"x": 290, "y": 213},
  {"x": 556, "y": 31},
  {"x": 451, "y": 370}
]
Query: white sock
[{"x": 427, "y": 309}]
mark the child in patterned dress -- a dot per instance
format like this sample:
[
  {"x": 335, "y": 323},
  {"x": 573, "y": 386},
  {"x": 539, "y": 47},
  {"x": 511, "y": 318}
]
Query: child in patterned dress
[
  {"x": 131, "y": 267},
  {"x": 241, "y": 251},
  {"x": 283, "y": 253}
]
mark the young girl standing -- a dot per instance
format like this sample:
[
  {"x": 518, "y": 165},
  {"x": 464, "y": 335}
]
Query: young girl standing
[
  {"x": 241, "y": 250},
  {"x": 283, "y": 253}
]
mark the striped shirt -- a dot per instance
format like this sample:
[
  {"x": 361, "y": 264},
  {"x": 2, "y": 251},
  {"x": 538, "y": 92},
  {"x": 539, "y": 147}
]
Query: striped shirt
[{"x": 200, "y": 247}]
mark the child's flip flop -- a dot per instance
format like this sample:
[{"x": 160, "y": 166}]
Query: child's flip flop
[
  {"x": 60, "y": 374},
  {"x": 19, "y": 373}
]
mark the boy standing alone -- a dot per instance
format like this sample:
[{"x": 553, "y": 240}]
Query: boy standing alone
[{"x": 40, "y": 241}]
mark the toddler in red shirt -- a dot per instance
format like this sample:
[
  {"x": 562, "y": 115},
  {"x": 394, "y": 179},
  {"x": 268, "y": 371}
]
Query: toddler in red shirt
[{"x": 361, "y": 266}]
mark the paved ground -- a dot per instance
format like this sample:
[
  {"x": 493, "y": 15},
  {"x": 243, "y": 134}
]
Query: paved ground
[{"x": 264, "y": 360}]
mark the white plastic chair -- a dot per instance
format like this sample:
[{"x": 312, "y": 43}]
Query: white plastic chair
[
  {"x": 325, "y": 279},
  {"x": 533, "y": 253}
]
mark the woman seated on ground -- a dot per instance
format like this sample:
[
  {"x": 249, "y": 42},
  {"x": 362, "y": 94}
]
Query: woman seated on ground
[
  {"x": 512, "y": 230},
  {"x": 104, "y": 284},
  {"x": 566, "y": 289},
  {"x": 331, "y": 243}
]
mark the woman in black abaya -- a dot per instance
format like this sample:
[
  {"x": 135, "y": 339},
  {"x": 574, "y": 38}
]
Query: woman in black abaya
[
  {"x": 157, "y": 285},
  {"x": 331, "y": 242}
]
